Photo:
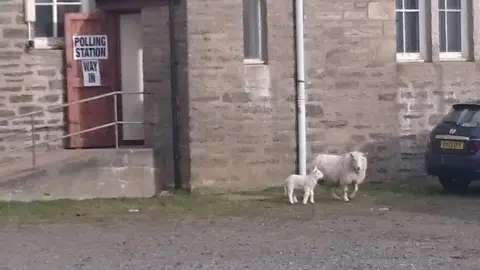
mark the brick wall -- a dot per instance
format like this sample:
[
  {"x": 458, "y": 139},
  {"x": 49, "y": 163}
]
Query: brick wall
[{"x": 29, "y": 81}]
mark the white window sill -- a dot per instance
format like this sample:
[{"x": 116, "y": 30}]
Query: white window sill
[
  {"x": 452, "y": 57},
  {"x": 253, "y": 62},
  {"x": 48, "y": 43},
  {"x": 409, "y": 57}
]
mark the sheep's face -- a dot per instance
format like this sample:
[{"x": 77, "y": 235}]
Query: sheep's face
[
  {"x": 317, "y": 173},
  {"x": 358, "y": 160}
]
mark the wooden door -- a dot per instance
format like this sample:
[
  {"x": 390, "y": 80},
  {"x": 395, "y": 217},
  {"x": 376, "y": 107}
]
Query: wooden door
[{"x": 97, "y": 112}]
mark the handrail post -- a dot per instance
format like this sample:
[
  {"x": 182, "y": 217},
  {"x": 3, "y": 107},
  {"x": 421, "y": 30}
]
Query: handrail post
[
  {"x": 33, "y": 142},
  {"x": 115, "y": 109}
]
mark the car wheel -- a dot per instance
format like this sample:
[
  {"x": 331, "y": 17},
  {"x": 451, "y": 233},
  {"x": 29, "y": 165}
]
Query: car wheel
[{"x": 454, "y": 184}]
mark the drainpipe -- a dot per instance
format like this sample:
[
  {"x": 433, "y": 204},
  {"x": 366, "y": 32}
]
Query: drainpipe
[
  {"x": 88, "y": 5},
  {"x": 300, "y": 67},
  {"x": 178, "y": 177}
]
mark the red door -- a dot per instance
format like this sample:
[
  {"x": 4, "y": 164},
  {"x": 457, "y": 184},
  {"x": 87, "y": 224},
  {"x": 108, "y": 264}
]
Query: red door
[{"x": 97, "y": 112}]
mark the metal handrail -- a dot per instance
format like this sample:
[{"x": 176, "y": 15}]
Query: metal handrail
[
  {"x": 115, "y": 122},
  {"x": 77, "y": 102}
]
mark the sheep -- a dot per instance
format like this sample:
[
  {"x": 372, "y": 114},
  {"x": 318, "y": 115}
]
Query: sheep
[
  {"x": 307, "y": 182},
  {"x": 341, "y": 171}
]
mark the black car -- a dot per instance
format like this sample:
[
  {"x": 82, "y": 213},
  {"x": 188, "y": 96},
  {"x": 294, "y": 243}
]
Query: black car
[{"x": 453, "y": 150}]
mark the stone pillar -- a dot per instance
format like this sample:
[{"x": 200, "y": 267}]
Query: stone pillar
[
  {"x": 476, "y": 30},
  {"x": 157, "y": 82},
  {"x": 435, "y": 21}
]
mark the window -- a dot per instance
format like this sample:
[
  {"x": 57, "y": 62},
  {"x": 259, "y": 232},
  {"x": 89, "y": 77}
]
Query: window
[
  {"x": 463, "y": 115},
  {"x": 453, "y": 29},
  {"x": 411, "y": 29},
  {"x": 50, "y": 16},
  {"x": 254, "y": 31}
]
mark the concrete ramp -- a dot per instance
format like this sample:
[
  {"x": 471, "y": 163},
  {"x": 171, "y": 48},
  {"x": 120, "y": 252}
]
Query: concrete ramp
[{"x": 80, "y": 174}]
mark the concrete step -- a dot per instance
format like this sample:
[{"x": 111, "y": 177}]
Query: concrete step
[{"x": 80, "y": 174}]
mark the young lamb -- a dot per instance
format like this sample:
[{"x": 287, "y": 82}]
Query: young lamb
[
  {"x": 341, "y": 171},
  {"x": 306, "y": 182}
]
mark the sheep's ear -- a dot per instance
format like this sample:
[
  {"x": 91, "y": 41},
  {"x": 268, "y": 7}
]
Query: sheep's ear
[
  {"x": 352, "y": 154},
  {"x": 365, "y": 154}
]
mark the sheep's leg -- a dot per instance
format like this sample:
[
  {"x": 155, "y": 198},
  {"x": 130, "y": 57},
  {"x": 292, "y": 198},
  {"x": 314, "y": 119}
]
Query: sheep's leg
[
  {"x": 291, "y": 196},
  {"x": 332, "y": 192},
  {"x": 306, "y": 195},
  {"x": 312, "y": 195},
  {"x": 345, "y": 193},
  {"x": 354, "y": 191}
]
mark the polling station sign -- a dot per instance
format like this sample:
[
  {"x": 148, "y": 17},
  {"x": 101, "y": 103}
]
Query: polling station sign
[
  {"x": 91, "y": 73},
  {"x": 90, "y": 47}
]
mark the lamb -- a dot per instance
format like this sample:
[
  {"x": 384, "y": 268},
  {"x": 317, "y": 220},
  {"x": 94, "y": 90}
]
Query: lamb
[
  {"x": 342, "y": 171},
  {"x": 307, "y": 182}
]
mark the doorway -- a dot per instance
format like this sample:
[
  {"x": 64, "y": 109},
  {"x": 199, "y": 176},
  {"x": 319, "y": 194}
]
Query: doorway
[
  {"x": 98, "y": 112},
  {"x": 131, "y": 59}
]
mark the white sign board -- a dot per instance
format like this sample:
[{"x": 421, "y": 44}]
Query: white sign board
[
  {"x": 91, "y": 73},
  {"x": 90, "y": 47}
]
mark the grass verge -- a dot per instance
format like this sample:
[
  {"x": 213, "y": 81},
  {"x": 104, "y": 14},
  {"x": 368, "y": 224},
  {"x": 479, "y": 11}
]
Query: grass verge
[{"x": 268, "y": 202}]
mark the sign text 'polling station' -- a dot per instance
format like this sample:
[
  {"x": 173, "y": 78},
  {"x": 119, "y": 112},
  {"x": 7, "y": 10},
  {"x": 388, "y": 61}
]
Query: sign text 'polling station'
[{"x": 90, "y": 47}]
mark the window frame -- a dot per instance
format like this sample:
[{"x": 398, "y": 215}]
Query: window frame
[
  {"x": 53, "y": 42},
  {"x": 261, "y": 31},
  {"x": 465, "y": 26},
  {"x": 422, "y": 54}
]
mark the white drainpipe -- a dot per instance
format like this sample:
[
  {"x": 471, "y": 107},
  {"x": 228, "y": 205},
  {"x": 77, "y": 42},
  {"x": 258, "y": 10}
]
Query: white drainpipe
[
  {"x": 302, "y": 125},
  {"x": 88, "y": 6}
]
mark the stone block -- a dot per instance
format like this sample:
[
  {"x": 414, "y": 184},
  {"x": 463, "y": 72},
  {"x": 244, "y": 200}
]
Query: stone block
[
  {"x": 14, "y": 33},
  {"x": 20, "y": 98},
  {"x": 384, "y": 10},
  {"x": 355, "y": 15},
  {"x": 314, "y": 110},
  {"x": 238, "y": 97}
]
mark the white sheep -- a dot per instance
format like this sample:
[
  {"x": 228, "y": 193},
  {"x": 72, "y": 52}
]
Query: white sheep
[
  {"x": 341, "y": 171},
  {"x": 305, "y": 182}
]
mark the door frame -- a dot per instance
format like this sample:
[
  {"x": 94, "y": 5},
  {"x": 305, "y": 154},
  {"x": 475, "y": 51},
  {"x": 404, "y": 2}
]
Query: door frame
[
  {"x": 121, "y": 139},
  {"x": 114, "y": 82}
]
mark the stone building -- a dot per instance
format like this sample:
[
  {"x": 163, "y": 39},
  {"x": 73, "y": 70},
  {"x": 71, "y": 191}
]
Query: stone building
[{"x": 220, "y": 78}]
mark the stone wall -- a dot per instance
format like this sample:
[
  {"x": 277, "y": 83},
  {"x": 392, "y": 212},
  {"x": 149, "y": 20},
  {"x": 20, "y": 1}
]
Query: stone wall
[
  {"x": 426, "y": 92},
  {"x": 157, "y": 77},
  {"x": 29, "y": 81},
  {"x": 242, "y": 118},
  {"x": 351, "y": 81},
  {"x": 236, "y": 124}
]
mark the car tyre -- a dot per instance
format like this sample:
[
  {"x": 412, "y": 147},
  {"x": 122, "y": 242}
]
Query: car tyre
[{"x": 454, "y": 184}]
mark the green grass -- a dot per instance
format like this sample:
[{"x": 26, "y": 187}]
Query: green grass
[{"x": 184, "y": 206}]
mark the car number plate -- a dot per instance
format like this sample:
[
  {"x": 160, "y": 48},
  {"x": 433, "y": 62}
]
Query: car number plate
[{"x": 451, "y": 145}]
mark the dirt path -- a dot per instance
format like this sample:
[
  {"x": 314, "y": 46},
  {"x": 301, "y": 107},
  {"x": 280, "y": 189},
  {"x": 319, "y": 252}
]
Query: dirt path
[{"x": 416, "y": 232}]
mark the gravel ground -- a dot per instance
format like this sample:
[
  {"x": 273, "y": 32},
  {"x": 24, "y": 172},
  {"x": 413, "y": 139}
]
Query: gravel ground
[{"x": 440, "y": 233}]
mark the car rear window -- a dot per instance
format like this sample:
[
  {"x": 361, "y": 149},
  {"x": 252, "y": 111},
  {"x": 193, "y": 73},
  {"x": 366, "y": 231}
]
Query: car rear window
[{"x": 463, "y": 116}]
